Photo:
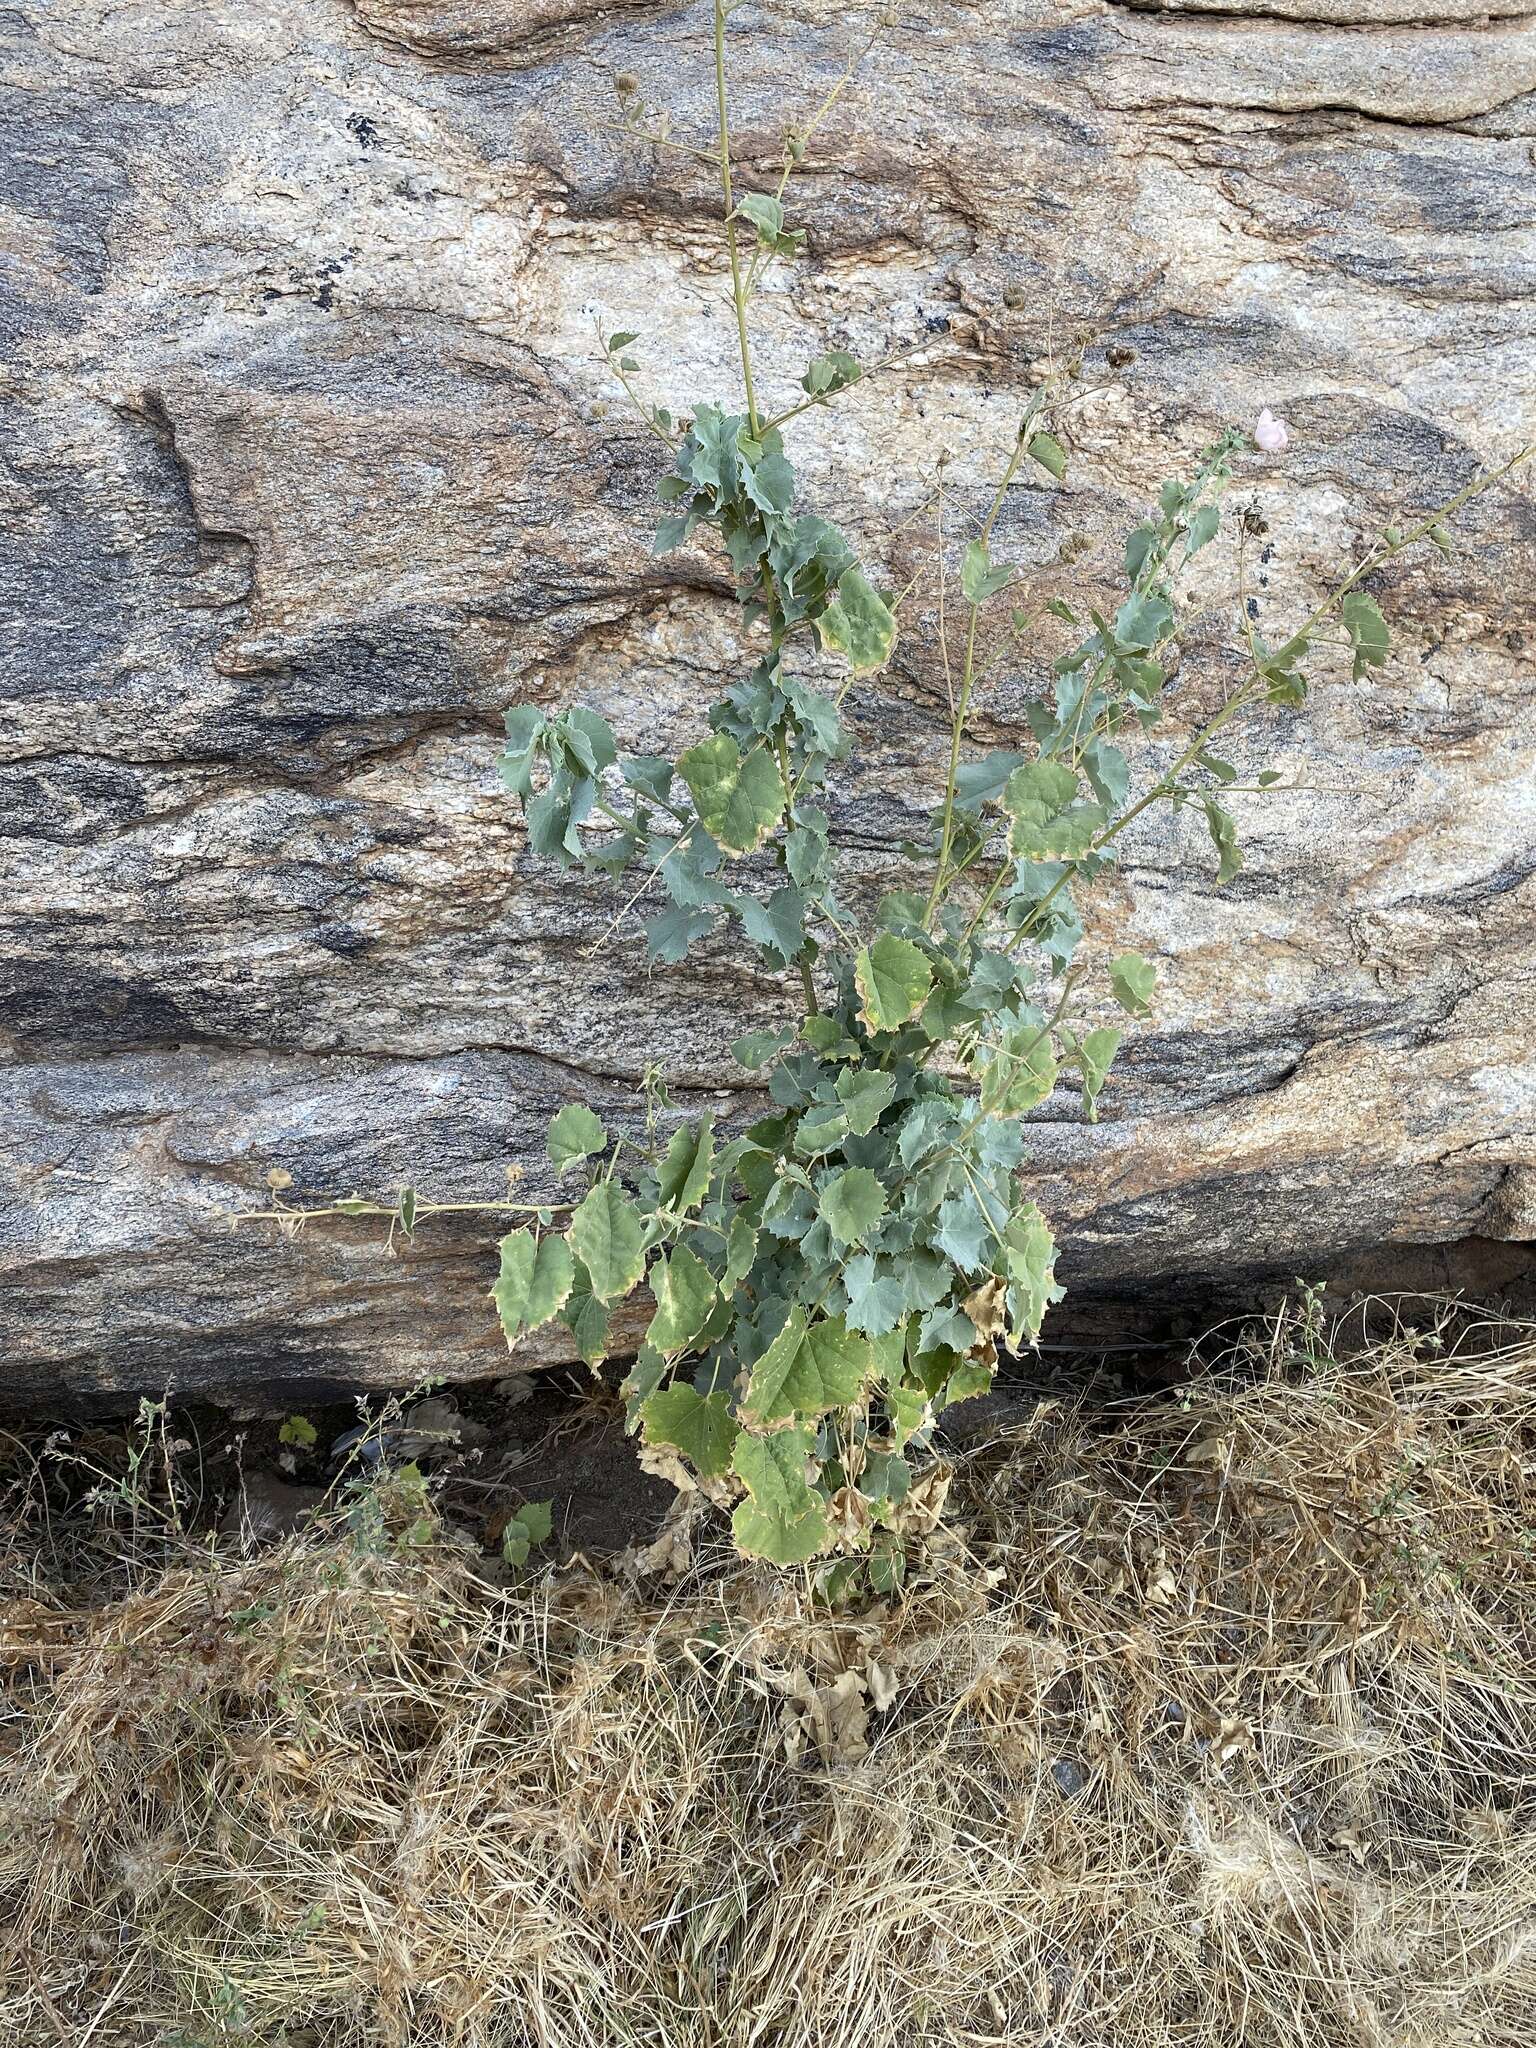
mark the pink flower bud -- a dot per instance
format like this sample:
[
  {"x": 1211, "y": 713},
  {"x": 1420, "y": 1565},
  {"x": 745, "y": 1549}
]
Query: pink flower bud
[{"x": 1271, "y": 434}]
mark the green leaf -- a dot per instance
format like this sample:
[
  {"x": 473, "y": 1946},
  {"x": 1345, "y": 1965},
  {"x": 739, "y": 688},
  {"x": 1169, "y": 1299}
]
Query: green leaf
[
  {"x": 806, "y": 848},
  {"x": 852, "y": 1204},
  {"x": 983, "y": 781},
  {"x": 767, "y": 218},
  {"x": 781, "y": 1519},
  {"x": 894, "y": 980},
  {"x": 824, "y": 1035},
  {"x": 754, "y": 1049},
  {"x": 901, "y": 911},
  {"x": 1133, "y": 979},
  {"x": 777, "y": 926},
  {"x": 908, "y": 1405},
  {"x": 1050, "y": 454},
  {"x": 1020, "y": 1072},
  {"x": 925, "y": 1276},
  {"x": 587, "y": 1320},
  {"x": 1140, "y": 545},
  {"x": 587, "y": 737},
  {"x": 807, "y": 1370},
  {"x": 859, "y": 624},
  {"x": 575, "y": 1133},
  {"x": 1202, "y": 529},
  {"x": 789, "y": 1210},
  {"x": 740, "y": 1251},
  {"x": 606, "y": 1236},
  {"x": 963, "y": 1235},
  {"x": 1367, "y": 631},
  {"x": 532, "y": 1525},
  {"x": 1030, "y": 1250},
  {"x": 769, "y": 482},
  {"x": 1223, "y": 831},
  {"x": 876, "y": 1299},
  {"x": 683, "y": 1177},
  {"x": 830, "y": 372},
  {"x": 535, "y": 1281},
  {"x": 970, "y": 1378},
  {"x": 864, "y": 1094},
  {"x": 1143, "y": 621},
  {"x": 299, "y": 1430},
  {"x": 979, "y": 580},
  {"x": 698, "y": 1425},
  {"x": 640, "y": 1382},
  {"x": 670, "y": 933},
  {"x": 1094, "y": 1056},
  {"x": 817, "y": 718},
  {"x": 1109, "y": 772},
  {"x": 1048, "y": 824},
  {"x": 740, "y": 797},
  {"x": 648, "y": 773},
  {"x": 525, "y": 725},
  {"x": 685, "y": 1294},
  {"x": 618, "y": 341},
  {"x": 821, "y": 1130}
]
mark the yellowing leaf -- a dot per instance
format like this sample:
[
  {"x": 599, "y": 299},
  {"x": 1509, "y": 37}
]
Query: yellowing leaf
[
  {"x": 535, "y": 1281},
  {"x": 1048, "y": 822},
  {"x": 807, "y": 1370},
  {"x": 685, "y": 1293},
  {"x": 894, "y": 980},
  {"x": 1020, "y": 1073},
  {"x": 1095, "y": 1055},
  {"x": 683, "y": 1177},
  {"x": 781, "y": 1519},
  {"x": 1029, "y": 1253},
  {"x": 1049, "y": 453},
  {"x": 986, "y": 1307},
  {"x": 574, "y": 1134},
  {"x": 1133, "y": 981},
  {"x": 858, "y": 624},
  {"x": 698, "y": 1425},
  {"x": 740, "y": 797},
  {"x": 606, "y": 1236}
]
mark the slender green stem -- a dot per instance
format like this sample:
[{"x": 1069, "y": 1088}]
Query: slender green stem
[
  {"x": 807, "y": 978},
  {"x": 967, "y": 685},
  {"x": 901, "y": 355},
  {"x": 280, "y": 1214},
  {"x": 791, "y": 159},
  {"x": 738, "y": 282},
  {"x": 707, "y": 156}
]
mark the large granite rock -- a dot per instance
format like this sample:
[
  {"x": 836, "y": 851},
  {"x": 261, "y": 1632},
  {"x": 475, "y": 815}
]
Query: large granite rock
[{"x": 310, "y": 470}]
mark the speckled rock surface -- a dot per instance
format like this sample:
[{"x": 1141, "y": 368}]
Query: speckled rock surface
[{"x": 307, "y": 474}]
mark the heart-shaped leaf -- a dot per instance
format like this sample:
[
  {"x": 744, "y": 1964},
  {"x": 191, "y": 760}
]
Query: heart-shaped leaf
[
  {"x": 606, "y": 1235},
  {"x": 535, "y": 1281}
]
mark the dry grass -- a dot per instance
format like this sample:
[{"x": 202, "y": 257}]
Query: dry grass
[{"x": 1217, "y": 1727}]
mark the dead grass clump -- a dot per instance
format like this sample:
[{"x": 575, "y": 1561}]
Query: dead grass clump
[{"x": 1215, "y": 1725}]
